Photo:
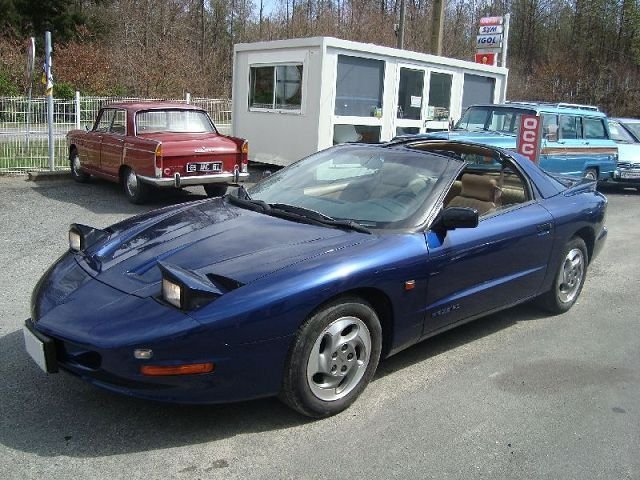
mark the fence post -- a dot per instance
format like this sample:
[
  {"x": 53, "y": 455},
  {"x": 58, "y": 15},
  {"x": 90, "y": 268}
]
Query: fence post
[
  {"x": 187, "y": 98},
  {"x": 77, "y": 105}
]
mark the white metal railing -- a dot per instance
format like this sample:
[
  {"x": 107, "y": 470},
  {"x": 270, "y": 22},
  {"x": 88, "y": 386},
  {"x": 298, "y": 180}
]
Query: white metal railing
[{"x": 24, "y": 130}]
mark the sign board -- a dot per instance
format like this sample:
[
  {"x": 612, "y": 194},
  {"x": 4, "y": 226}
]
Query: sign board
[
  {"x": 488, "y": 58},
  {"x": 488, "y": 41},
  {"x": 490, "y": 29},
  {"x": 491, "y": 21},
  {"x": 529, "y": 137}
]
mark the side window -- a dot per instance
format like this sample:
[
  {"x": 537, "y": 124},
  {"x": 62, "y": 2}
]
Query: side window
[
  {"x": 276, "y": 87},
  {"x": 594, "y": 128},
  {"x": 550, "y": 127},
  {"x": 119, "y": 122},
  {"x": 104, "y": 122},
  {"x": 570, "y": 127}
]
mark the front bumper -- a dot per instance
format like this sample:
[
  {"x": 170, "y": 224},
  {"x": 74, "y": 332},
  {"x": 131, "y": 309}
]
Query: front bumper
[
  {"x": 625, "y": 176},
  {"x": 242, "y": 372},
  {"x": 178, "y": 180}
]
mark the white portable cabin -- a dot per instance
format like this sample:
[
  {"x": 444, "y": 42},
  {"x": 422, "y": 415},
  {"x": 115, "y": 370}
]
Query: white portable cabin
[{"x": 294, "y": 97}]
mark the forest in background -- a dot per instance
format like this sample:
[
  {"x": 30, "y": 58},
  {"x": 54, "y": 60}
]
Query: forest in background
[{"x": 581, "y": 51}]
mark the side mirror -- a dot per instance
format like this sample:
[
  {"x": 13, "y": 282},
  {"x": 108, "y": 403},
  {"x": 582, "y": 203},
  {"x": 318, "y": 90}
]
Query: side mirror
[{"x": 458, "y": 217}]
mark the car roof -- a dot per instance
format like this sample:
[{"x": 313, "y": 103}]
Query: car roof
[
  {"x": 137, "y": 106},
  {"x": 559, "y": 107}
]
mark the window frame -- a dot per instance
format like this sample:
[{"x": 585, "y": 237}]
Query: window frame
[{"x": 274, "y": 108}]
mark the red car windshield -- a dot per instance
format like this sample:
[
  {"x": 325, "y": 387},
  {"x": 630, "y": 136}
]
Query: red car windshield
[{"x": 174, "y": 121}]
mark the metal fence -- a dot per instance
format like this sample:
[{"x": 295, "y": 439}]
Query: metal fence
[{"x": 24, "y": 140}]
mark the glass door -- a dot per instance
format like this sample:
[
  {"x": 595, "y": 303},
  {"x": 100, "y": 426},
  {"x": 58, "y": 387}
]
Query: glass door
[{"x": 411, "y": 101}]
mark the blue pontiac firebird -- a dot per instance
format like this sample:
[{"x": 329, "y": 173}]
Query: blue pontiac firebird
[{"x": 298, "y": 286}]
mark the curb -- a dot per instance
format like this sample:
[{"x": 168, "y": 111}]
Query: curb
[{"x": 56, "y": 175}]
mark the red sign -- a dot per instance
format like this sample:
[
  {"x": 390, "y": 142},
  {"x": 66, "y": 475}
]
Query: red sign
[
  {"x": 486, "y": 58},
  {"x": 491, "y": 21},
  {"x": 529, "y": 137}
]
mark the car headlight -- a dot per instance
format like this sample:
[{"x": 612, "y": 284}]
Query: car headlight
[
  {"x": 186, "y": 290},
  {"x": 172, "y": 292},
  {"x": 82, "y": 236},
  {"x": 75, "y": 240}
]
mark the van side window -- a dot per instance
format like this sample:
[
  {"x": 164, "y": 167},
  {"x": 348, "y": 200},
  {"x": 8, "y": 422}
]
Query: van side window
[
  {"x": 594, "y": 128},
  {"x": 570, "y": 127},
  {"x": 550, "y": 127}
]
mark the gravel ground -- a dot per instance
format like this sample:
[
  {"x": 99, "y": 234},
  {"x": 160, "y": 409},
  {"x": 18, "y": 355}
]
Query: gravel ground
[{"x": 514, "y": 395}]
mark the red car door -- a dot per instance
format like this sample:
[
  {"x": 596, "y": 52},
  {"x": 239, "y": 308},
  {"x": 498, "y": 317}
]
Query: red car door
[
  {"x": 93, "y": 139},
  {"x": 113, "y": 144}
]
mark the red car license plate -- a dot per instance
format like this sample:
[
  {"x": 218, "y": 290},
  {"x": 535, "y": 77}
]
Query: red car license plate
[{"x": 204, "y": 167}]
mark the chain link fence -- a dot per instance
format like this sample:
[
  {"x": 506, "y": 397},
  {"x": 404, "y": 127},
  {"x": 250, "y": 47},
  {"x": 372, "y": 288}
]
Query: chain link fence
[{"x": 24, "y": 141}]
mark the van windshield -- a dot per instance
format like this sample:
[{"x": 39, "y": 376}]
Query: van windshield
[{"x": 489, "y": 118}]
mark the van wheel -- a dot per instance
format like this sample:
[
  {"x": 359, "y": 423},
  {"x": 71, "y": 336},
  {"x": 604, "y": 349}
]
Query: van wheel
[
  {"x": 591, "y": 174},
  {"x": 136, "y": 191}
]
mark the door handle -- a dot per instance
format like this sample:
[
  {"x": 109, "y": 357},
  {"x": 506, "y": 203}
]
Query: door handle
[{"x": 543, "y": 227}]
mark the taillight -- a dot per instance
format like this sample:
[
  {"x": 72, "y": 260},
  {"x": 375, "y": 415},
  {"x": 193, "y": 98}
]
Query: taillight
[
  {"x": 158, "y": 158},
  {"x": 244, "y": 157}
]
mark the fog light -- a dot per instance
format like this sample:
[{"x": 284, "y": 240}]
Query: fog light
[
  {"x": 167, "y": 171},
  {"x": 143, "y": 353}
]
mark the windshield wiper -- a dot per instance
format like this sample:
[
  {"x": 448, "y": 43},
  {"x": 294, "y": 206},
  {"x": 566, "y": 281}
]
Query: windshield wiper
[
  {"x": 255, "y": 205},
  {"x": 316, "y": 217}
]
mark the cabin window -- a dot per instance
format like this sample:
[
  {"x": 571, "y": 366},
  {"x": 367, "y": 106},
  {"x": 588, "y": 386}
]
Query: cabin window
[
  {"x": 439, "y": 96},
  {"x": 359, "y": 87},
  {"x": 276, "y": 87}
]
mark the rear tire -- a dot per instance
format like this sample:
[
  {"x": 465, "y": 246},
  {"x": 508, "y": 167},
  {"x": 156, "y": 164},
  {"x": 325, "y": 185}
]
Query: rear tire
[
  {"x": 76, "y": 173},
  {"x": 569, "y": 278},
  {"x": 136, "y": 191},
  {"x": 214, "y": 190},
  {"x": 333, "y": 358},
  {"x": 591, "y": 174}
]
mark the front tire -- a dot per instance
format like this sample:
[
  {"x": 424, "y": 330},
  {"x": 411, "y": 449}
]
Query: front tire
[
  {"x": 76, "y": 173},
  {"x": 333, "y": 358},
  {"x": 214, "y": 190},
  {"x": 569, "y": 279},
  {"x": 137, "y": 192}
]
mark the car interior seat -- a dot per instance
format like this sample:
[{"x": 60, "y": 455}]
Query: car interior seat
[{"x": 479, "y": 192}]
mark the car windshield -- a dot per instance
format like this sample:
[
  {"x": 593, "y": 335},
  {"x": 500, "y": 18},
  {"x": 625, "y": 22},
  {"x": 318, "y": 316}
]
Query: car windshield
[
  {"x": 619, "y": 134},
  {"x": 379, "y": 188},
  {"x": 504, "y": 120},
  {"x": 175, "y": 121},
  {"x": 634, "y": 127}
]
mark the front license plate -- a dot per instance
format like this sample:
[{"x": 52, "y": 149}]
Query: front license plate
[
  {"x": 632, "y": 174},
  {"x": 41, "y": 350},
  {"x": 212, "y": 167}
]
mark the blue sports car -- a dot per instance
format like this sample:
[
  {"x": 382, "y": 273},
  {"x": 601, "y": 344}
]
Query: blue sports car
[{"x": 298, "y": 286}]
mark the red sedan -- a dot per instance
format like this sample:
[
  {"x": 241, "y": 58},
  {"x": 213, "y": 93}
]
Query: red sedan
[{"x": 161, "y": 144}]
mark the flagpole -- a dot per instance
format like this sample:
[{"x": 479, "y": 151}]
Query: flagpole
[{"x": 49, "y": 94}]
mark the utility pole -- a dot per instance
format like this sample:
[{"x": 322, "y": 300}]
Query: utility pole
[
  {"x": 437, "y": 27},
  {"x": 403, "y": 10}
]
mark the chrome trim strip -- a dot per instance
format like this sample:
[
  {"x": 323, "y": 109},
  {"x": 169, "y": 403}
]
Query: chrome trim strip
[{"x": 194, "y": 180}]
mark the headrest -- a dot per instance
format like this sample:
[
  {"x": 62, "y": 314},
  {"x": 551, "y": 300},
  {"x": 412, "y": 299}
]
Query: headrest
[{"x": 479, "y": 187}]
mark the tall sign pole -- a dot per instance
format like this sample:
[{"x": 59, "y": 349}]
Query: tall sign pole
[
  {"x": 31, "y": 59},
  {"x": 49, "y": 94},
  {"x": 403, "y": 9},
  {"x": 507, "y": 19}
]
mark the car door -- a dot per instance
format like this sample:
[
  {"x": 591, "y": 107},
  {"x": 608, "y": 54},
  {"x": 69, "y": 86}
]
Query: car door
[
  {"x": 573, "y": 144},
  {"x": 502, "y": 261},
  {"x": 93, "y": 139},
  {"x": 113, "y": 144}
]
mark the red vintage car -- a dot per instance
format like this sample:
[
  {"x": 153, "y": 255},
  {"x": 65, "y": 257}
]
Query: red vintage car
[{"x": 160, "y": 144}]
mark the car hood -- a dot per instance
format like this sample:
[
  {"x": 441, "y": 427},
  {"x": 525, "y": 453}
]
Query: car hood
[{"x": 209, "y": 237}]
